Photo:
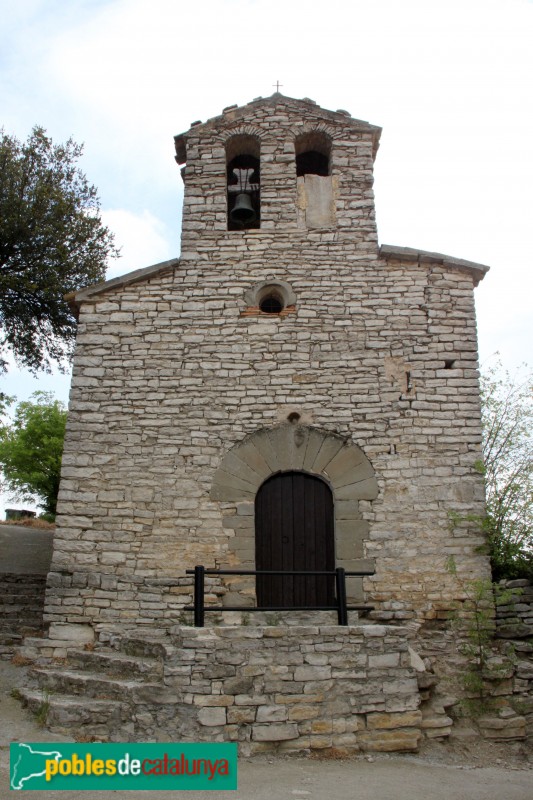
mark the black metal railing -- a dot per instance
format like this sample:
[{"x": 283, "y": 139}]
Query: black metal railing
[{"x": 340, "y": 606}]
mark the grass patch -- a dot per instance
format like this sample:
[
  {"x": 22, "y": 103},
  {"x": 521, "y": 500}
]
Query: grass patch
[{"x": 42, "y": 711}]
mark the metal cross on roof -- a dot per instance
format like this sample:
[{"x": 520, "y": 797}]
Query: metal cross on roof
[{"x": 277, "y": 85}]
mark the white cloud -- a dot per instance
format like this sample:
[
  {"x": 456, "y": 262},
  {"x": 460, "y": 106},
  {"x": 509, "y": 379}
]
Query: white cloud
[{"x": 141, "y": 238}]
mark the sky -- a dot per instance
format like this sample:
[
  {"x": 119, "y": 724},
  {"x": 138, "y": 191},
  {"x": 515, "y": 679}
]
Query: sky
[{"x": 448, "y": 81}]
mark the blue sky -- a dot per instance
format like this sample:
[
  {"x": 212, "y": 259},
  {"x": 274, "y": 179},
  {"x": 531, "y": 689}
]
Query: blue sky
[{"x": 449, "y": 82}]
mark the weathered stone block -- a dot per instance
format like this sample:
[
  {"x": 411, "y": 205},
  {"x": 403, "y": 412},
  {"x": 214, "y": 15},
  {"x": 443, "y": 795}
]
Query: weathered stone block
[
  {"x": 511, "y": 726},
  {"x": 271, "y": 714},
  {"x": 213, "y": 700},
  {"x": 320, "y": 742},
  {"x": 81, "y": 634},
  {"x": 309, "y": 673},
  {"x": 212, "y": 717},
  {"x": 298, "y": 713},
  {"x": 274, "y": 733},
  {"x": 406, "y": 719},
  {"x": 384, "y": 660},
  {"x": 238, "y": 685},
  {"x": 389, "y": 741},
  {"x": 241, "y": 714}
]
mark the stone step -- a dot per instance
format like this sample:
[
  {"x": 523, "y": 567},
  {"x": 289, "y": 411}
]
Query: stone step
[
  {"x": 33, "y": 641},
  {"x": 22, "y": 629},
  {"x": 16, "y": 637},
  {"x": 116, "y": 663},
  {"x": 42, "y": 650},
  {"x": 83, "y": 718},
  {"x": 151, "y": 648},
  {"x": 8, "y": 646},
  {"x": 99, "y": 686},
  {"x": 10, "y": 638}
]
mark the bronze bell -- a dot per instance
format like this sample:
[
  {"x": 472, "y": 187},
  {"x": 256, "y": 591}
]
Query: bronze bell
[{"x": 243, "y": 212}]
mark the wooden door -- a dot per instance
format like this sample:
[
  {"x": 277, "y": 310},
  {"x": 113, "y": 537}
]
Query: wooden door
[{"x": 294, "y": 531}]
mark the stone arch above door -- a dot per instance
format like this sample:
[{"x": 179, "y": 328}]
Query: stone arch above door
[{"x": 293, "y": 447}]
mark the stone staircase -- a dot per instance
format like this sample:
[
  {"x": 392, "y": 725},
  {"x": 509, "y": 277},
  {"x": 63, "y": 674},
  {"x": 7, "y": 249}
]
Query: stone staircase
[
  {"x": 21, "y": 610},
  {"x": 273, "y": 688},
  {"x": 103, "y": 694}
]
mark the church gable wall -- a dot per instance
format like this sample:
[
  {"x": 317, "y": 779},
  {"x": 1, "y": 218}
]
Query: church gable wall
[{"x": 171, "y": 373}]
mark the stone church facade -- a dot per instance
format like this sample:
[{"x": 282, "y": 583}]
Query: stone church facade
[
  {"x": 285, "y": 356},
  {"x": 186, "y": 396}
]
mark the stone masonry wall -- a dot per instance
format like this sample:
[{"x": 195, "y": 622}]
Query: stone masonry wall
[
  {"x": 514, "y": 629},
  {"x": 21, "y": 609},
  {"x": 171, "y": 372},
  {"x": 296, "y": 689},
  {"x": 153, "y": 412}
]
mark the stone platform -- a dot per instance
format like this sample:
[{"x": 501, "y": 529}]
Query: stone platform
[{"x": 272, "y": 688}]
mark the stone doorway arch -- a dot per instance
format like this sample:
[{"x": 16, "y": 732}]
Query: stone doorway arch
[{"x": 294, "y": 447}]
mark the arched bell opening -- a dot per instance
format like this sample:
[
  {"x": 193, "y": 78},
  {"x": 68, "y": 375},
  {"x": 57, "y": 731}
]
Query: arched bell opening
[
  {"x": 313, "y": 154},
  {"x": 315, "y": 183},
  {"x": 294, "y": 531},
  {"x": 243, "y": 182}
]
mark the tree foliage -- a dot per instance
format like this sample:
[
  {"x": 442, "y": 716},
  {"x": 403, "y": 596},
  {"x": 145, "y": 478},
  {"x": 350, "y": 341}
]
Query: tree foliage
[
  {"x": 31, "y": 446},
  {"x": 507, "y": 419},
  {"x": 52, "y": 242}
]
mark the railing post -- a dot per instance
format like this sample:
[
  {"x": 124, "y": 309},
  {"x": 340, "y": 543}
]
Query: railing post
[
  {"x": 199, "y": 574},
  {"x": 340, "y": 581}
]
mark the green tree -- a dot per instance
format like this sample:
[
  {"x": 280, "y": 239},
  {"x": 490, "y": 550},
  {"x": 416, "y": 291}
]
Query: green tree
[
  {"x": 52, "y": 242},
  {"x": 507, "y": 419},
  {"x": 31, "y": 446}
]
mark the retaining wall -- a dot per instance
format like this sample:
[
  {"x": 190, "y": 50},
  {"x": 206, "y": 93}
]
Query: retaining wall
[{"x": 296, "y": 688}]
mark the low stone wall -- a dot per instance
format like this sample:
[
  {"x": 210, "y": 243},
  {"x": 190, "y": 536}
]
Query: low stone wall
[
  {"x": 508, "y": 678},
  {"x": 514, "y": 629},
  {"x": 296, "y": 688},
  {"x": 21, "y": 609},
  {"x": 514, "y": 619}
]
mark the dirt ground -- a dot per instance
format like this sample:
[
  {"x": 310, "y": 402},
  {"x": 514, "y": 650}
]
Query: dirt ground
[{"x": 465, "y": 772}]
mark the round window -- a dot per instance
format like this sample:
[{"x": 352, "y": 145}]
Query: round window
[
  {"x": 270, "y": 297},
  {"x": 271, "y": 304}
]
